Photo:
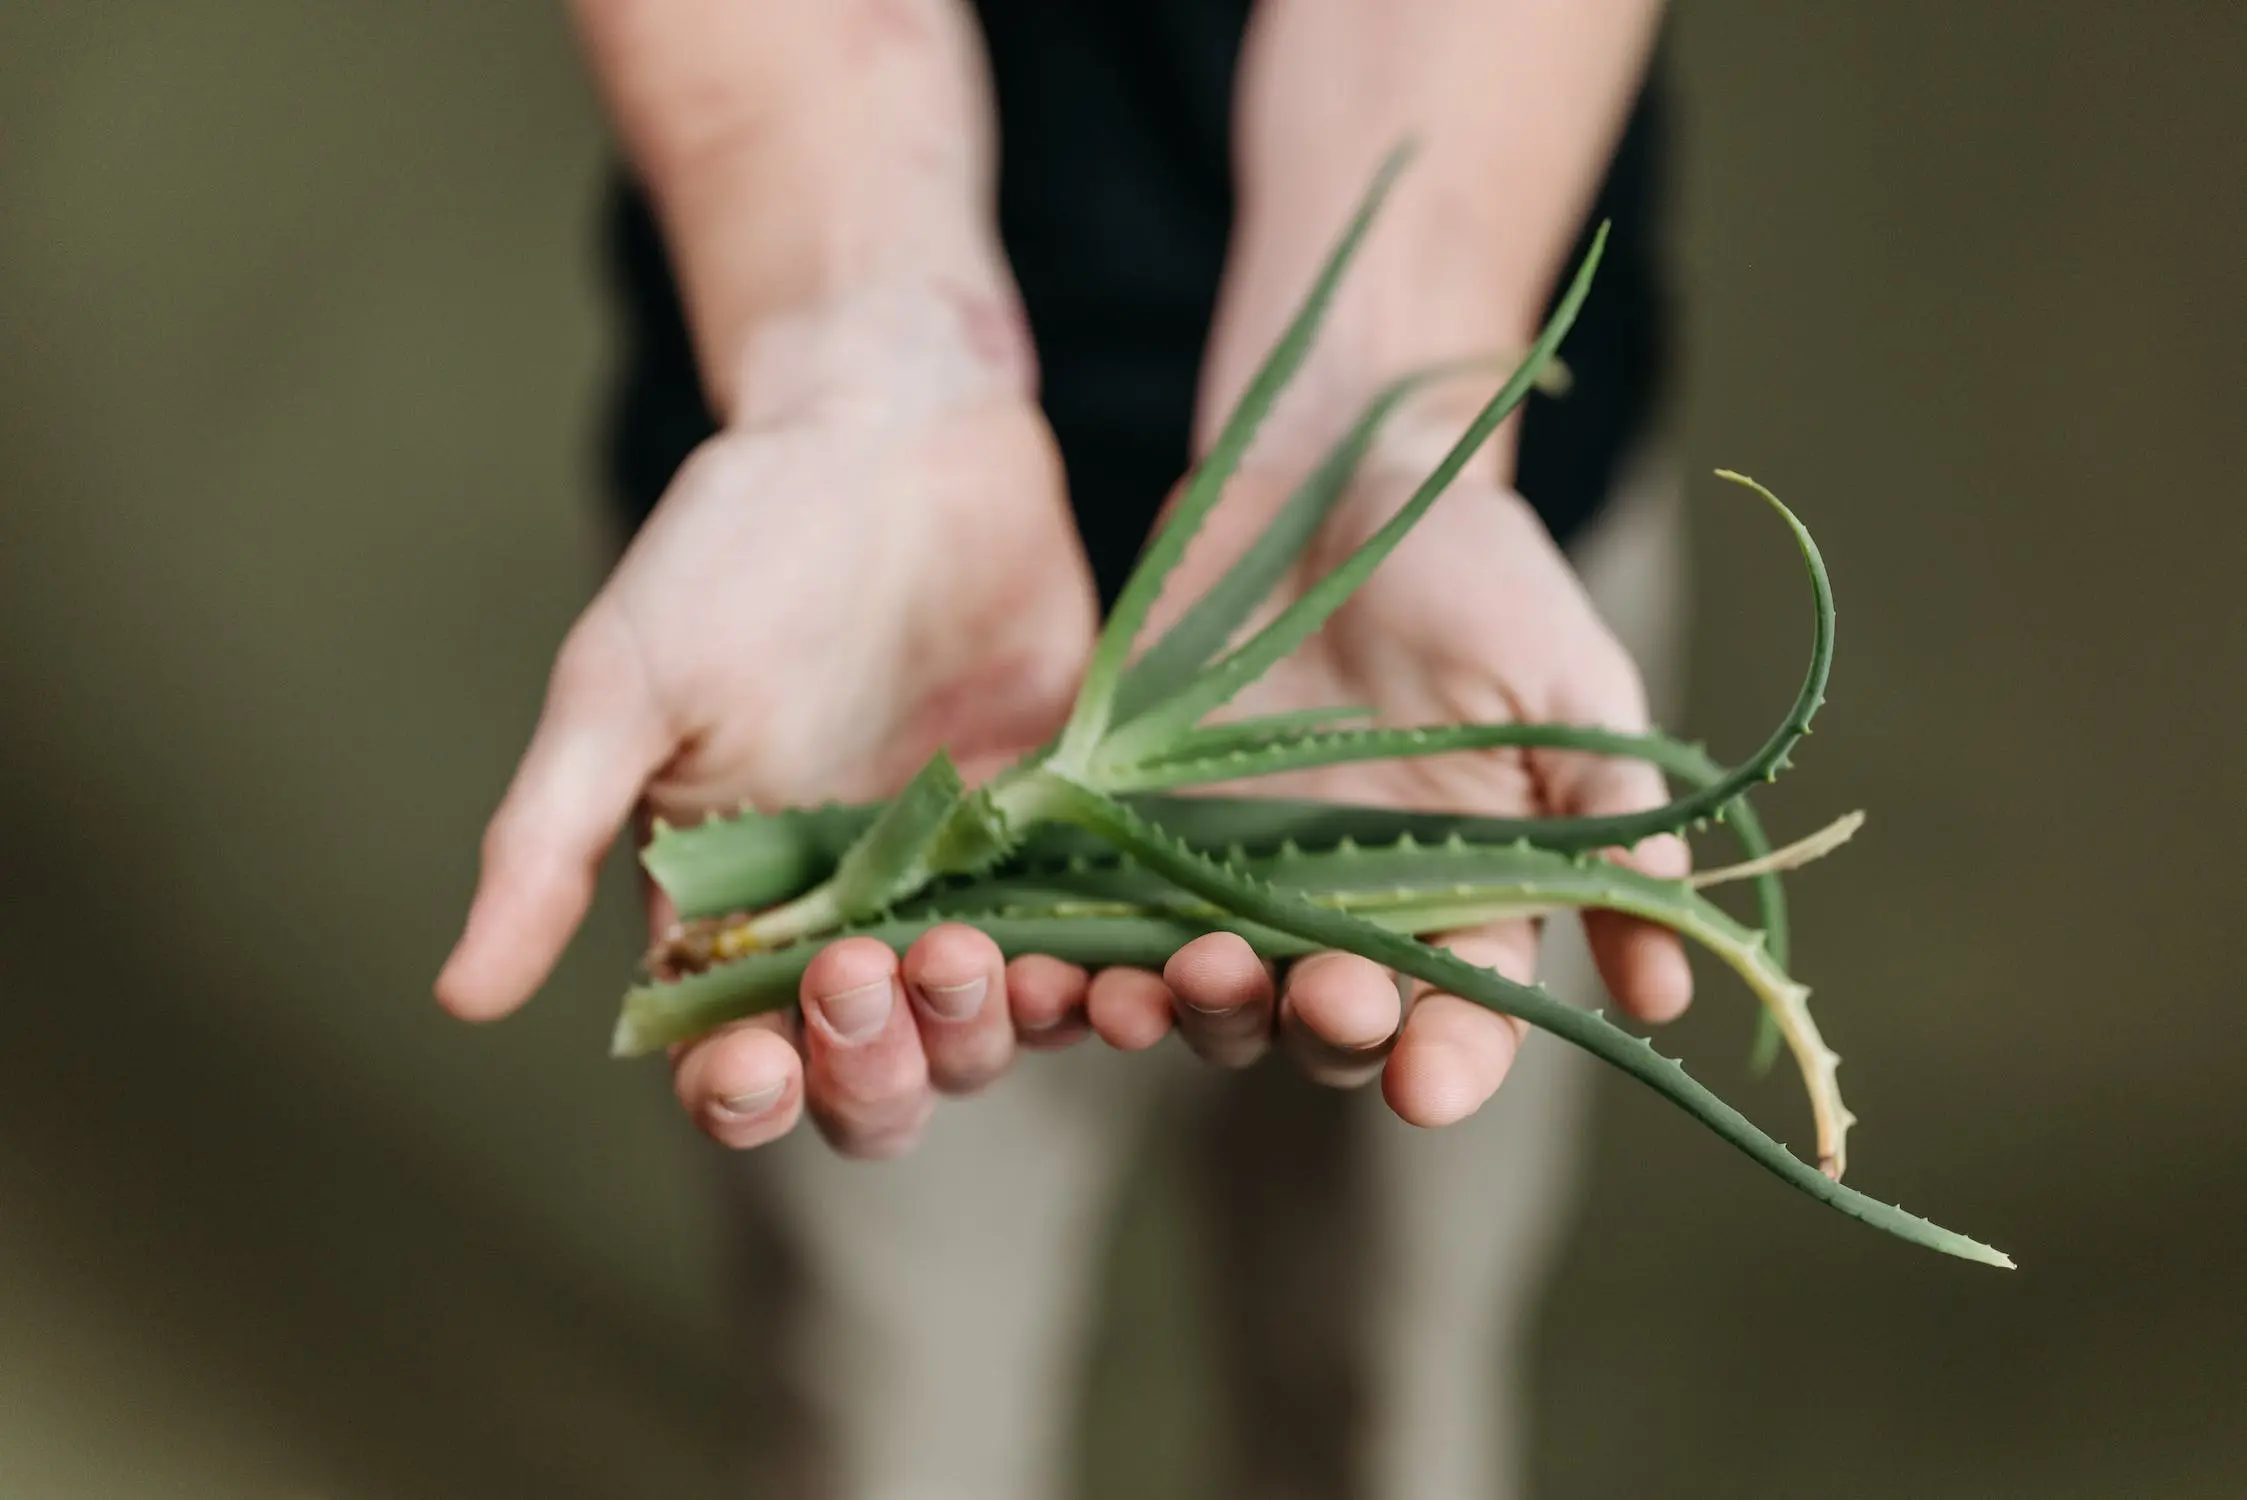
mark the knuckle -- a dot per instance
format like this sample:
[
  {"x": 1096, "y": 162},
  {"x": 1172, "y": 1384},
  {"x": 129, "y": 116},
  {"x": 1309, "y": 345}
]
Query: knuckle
[{"x": 516, "y": 841}]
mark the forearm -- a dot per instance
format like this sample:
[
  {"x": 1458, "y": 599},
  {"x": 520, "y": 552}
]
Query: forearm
[
  {"x": 1516, "y": 105},
  {"x": 807, "y": 159}
]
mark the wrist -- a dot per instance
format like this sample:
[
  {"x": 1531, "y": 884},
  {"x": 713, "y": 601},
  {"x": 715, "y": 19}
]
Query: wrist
[
  {"x": 1410, "y": 303},
  {"x": 887, "y": 351},
  {"x": 1423, "y": 429},
  {"x": 1334, "y": 390},
  {"x": 807, "y": 163},
  {"x": 1515, "y": 107},
  {"x": 785, "y": 253}
]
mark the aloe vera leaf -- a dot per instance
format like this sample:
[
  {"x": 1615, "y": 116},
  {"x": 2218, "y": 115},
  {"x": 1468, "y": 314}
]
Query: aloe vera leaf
[
  {"x": 1529, "y": 881},
  {"x": 1266, "y": 905},
  {"x": 1608, "y": 887},
  {"x": 730, "y": 864},
  {"x": 1252, "y": 734},
  {"x": 1763, "y": 867},
  {"x": 1621, "y": 830},
  {"x": 935, "y": 826},
  {"x": 1813, "y": 846},
  {"x": 1417, "y": 888},
  {"x": 1109, "y": 910},
  {"x": 1718, "y": 799},
  {"x": 1281, "y": 754},
  {"x": 1210, "y": 623},
  {"x": 1216, "y": 684},
  {"x": 752, "y": 859},
  {"x": 657, "y": 1015},
  {"x": 1212, "y": 755},
  {"x": 738, "y": 864},
  {"x": 1089, "y": 719}
]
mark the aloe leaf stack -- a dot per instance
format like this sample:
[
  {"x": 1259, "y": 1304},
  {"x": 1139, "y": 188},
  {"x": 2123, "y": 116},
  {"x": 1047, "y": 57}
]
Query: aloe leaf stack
[{"x": 1083, "y": 849}]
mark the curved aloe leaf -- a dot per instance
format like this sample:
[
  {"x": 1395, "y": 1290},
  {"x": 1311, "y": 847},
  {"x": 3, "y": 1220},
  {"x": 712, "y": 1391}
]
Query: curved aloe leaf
[{"x": 1268, "y": 905}]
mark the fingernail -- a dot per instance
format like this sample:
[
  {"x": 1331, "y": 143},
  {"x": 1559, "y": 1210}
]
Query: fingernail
[
  {"x": 858, "y": 1015},
  {"x": 753, "y": 1103},
  {"x": 956, "y": 1002},
  {"x": 1227, "y": 1020}
]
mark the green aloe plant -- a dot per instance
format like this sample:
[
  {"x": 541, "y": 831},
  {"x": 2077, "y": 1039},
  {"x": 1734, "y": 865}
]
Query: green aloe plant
[{"x": 1080, "y": 850}]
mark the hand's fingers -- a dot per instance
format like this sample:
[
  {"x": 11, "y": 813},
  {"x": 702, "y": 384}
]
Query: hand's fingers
[
  {"x": 955, "y": 977},
  {"x": 866, "y": 1077},
  {"x": 1047, "y": 997},
  {"x": 1225, "y": 998},
  {"x": 742, "y": 1084},
  {"x": 1338, "y": 1017},
  {"x": 1452, "y": 1054},
  {"x": 1130, "y": 1009},
  {"x": 598, "y": 741},
  {"x": 1642, "y": 963}
]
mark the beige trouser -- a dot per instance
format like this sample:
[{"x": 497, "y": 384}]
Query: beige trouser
[{"x": 932, "y": 1328}]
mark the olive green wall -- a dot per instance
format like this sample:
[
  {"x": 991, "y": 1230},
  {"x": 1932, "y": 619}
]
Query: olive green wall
[{"x": 299, "y": 343}]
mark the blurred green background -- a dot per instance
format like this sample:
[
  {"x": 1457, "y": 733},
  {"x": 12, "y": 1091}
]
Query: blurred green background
[{"x": 300, "y": 343}]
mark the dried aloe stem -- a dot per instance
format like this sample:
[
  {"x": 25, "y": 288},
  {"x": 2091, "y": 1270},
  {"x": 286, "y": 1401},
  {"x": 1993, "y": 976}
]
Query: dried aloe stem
[{"x": 756, "y": 859}]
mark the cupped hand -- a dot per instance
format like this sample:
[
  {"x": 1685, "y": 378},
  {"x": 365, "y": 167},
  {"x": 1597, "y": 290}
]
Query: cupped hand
[
  {"x": 1477, "y": 616},
  {"x": 824, "y": 598},
  {"x": 826, "y": 594}
]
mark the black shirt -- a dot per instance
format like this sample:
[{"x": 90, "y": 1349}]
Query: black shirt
[{"x": 1115, "y": 205}]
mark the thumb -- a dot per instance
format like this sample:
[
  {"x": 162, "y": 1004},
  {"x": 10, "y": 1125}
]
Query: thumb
[{"x": 599, "y": 739}]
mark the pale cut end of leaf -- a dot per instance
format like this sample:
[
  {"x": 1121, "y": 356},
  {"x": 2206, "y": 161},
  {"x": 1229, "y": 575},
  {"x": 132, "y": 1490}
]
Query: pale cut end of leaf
[
  {"x": 624, "y": 1038},
  {"x": 1790, "y": 857},
  {"x": 1736, "y": 477}
]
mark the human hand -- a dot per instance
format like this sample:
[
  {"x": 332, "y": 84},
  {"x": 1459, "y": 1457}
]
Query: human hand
[
  {"x": 1476, "y": 617},
  {"x": 875, "y": 561}
]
